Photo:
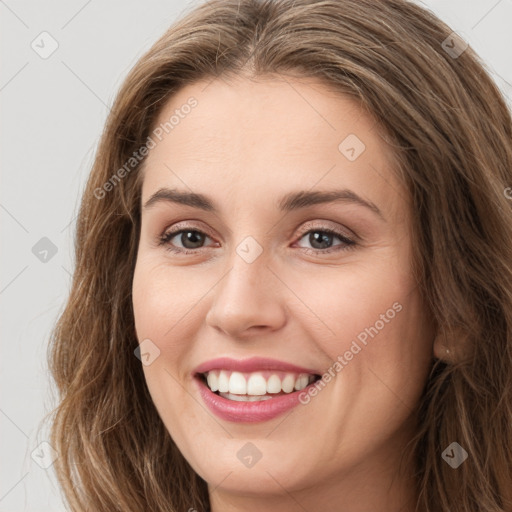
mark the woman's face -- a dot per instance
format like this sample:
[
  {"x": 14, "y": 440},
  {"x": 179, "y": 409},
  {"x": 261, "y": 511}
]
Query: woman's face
[{"x": 257, "y": 273}]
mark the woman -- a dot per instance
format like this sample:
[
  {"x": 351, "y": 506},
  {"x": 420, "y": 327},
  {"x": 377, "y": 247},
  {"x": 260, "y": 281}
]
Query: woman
[{"x": 297, "y": 221}]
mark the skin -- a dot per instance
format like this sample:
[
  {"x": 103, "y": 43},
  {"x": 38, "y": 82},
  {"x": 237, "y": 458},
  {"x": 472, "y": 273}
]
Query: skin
[{"x": 247, "y": 143}]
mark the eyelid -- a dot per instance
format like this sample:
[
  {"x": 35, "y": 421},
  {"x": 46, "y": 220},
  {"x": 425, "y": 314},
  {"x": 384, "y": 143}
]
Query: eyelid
[
  {"x": 322, "y": 224},
  {"x": 179, "y": 227},
  {"x": 188, "y": 225},
  {"x": 305, "y": 227},
  {"x": 348, "y": 237}
]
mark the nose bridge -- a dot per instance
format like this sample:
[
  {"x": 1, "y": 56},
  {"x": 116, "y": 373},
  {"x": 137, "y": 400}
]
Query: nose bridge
[
  {"x": 247, "y": 280},
  {"x": 247, "y": 296}
]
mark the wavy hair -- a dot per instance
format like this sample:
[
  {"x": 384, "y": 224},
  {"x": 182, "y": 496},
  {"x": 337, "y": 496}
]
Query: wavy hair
[{"x": 451, "y": 131}]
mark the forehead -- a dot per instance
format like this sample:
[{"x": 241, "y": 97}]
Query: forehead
[{"x": 269, "y": 135}]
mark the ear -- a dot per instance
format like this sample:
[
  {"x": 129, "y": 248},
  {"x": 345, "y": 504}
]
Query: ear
[{"x": 449, "y": 345}]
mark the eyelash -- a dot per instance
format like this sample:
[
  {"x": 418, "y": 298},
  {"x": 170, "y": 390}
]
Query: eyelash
[{"x": 165, "y": 238}]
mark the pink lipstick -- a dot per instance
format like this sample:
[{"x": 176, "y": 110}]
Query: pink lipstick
[{"x": 259, "y": 389}]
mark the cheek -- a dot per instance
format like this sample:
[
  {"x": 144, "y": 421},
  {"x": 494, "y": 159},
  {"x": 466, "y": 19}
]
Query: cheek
[
  {"x": 168, "y": 305},
  {"x": 157, "y": 313},
  {"x": 371, "y": 320},
  {"x": 162, "y": 301},
  {"x": 162, "y": 296},
  {"x": 345, "y": 302},
  {"x": 158, "y": 307}
]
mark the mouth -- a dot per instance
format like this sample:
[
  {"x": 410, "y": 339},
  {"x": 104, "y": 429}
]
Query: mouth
[{"x": 254, "y": 386}]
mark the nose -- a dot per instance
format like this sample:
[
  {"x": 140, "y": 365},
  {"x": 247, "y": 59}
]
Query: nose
[{"x": 249, "y": 300}]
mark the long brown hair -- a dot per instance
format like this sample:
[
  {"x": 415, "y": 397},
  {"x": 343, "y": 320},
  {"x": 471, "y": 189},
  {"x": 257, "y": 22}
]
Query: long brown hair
[{"x": 452, "y": 134}]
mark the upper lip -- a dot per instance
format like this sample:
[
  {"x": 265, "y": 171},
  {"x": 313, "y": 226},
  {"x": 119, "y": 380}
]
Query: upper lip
[{"x": 252, "y": 364}]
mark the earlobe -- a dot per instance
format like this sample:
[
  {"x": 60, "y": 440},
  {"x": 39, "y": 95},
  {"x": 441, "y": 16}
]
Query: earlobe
[
  {"x": 447, "y": 346},
  {"x": 440, "y": 350}
]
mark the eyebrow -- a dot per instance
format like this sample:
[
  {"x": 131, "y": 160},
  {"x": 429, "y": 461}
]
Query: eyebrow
[{"x": 290, "y": 202}]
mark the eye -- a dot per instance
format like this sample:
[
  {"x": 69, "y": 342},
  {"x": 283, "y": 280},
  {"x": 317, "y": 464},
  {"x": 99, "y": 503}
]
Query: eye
[
  {"x": 191, "y": 240},
  {"x": 319, "y": 238}
]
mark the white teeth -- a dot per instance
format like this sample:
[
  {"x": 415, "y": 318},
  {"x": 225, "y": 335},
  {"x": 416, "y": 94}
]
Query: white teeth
[
  {"x": 288, "y": 383},
  {"x": 274, "y": 384},
  {"x": 237, "y": 384},
  {"x": 301, "y": 382},
  {"x": 223, "y": 382},
  {"x": 244, "y": 398},
  {"x": 255, "y": 384},
  {"x": 213, "y": 381}
]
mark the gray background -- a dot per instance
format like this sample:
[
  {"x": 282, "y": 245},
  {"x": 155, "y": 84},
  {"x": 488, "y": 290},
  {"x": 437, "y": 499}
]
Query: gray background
[{"x": 53, "y": 111}]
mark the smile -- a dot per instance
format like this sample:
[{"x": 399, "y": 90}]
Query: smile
[
  {"x": 255, "y": 386},
  {"x": 252, "y": 390}
]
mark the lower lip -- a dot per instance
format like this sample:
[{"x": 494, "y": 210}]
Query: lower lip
[{"x": 248, "y": 412}]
